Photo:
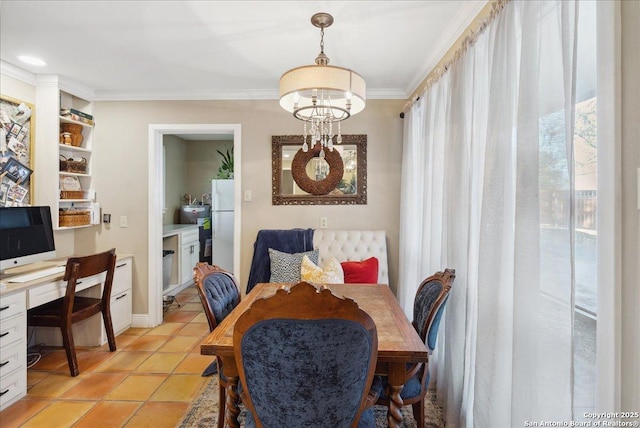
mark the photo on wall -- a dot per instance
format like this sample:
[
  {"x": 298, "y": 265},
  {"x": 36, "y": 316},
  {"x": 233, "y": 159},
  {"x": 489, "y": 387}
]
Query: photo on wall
[{"x": 16, "y": 148}]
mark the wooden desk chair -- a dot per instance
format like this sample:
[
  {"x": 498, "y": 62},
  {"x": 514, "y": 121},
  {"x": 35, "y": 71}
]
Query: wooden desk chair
[
  {"x": 306, "y": 358},
  {"x": 428, "y": 307},
  {"x": 70, "y": 309},
  {"x": 219, "y": 294}
]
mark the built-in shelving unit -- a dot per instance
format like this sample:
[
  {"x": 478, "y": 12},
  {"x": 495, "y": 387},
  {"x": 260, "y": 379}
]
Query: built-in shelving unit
[{"x": 52, "y": 96}]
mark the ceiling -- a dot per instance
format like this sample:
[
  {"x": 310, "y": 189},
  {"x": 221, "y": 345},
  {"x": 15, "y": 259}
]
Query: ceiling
[{"x": 150, "y": 50}]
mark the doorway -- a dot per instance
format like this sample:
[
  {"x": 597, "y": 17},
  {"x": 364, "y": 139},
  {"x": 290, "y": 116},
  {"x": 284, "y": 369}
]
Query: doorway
[{"x": 156, "y": 198}]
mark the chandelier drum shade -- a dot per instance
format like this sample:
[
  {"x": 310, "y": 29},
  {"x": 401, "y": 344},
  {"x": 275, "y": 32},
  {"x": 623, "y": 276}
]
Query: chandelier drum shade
[
  {"x": 312, "y": 91},
  {"x": 322, "y": 94}
]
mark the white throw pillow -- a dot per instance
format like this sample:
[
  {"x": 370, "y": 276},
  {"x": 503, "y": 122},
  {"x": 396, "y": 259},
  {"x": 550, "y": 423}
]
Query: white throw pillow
[{"x": 330, "y": 273}]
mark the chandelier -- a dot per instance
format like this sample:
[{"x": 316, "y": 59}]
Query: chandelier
[{"x": 322, "y": 95}]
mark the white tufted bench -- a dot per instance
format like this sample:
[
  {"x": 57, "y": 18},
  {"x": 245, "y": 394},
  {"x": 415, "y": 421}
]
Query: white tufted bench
[{"x": 354, "y": 245}]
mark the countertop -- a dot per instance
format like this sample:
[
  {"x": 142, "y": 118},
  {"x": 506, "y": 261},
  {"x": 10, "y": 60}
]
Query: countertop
[{"x": 174, "y": 229}]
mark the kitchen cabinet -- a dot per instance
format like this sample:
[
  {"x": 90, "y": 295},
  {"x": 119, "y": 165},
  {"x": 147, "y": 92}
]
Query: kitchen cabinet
[
  {"x": 189, "y": 255},
  {"x": 183, "y": 240}
]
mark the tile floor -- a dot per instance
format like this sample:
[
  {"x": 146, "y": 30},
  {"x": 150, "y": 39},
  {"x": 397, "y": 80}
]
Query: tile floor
[{"x": 150, "y": 381}]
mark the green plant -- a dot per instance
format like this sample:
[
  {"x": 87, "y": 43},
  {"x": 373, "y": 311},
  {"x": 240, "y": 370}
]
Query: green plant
[{"x": 226, "y": 168}]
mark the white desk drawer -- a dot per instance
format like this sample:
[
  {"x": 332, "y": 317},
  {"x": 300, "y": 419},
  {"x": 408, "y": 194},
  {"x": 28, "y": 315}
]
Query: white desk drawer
[
  {"x": 12, "y": 304},
  {"x": 12, "y": 387},
  {"x": 122, "y": 277},
  {"x": 121, "y": 312},
  {"x": 55, "y": 290},
  {"x": 13, "y": 330},
  {"x": 12, "y": 357}
]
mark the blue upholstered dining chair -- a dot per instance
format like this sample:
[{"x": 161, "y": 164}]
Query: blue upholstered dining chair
[
  {"x": 306, "y": 358},
  {"x": 428, "y": 306},
  {"x": 219, "y": 294}
]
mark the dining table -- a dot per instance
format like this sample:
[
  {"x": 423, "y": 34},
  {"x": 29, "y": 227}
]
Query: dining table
[{"x": 398, "y": 341}]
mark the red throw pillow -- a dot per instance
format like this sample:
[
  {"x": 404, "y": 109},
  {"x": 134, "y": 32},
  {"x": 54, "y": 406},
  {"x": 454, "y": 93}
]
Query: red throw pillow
[{"x": 364, "y": 272}]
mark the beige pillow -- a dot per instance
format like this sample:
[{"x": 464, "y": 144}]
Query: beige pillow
[{"x": 330, "y": 273}]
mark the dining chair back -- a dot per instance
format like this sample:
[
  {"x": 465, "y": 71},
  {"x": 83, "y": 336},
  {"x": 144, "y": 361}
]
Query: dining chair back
[
  {"x": 306, "y": 358},
  {"x": 219, "y": 294},
  {"x": 429, "y": 303},
  {"x": 218, "y": 291},
  {"x": 70, "y": 309},
  {"x": 428, "y": 307}
]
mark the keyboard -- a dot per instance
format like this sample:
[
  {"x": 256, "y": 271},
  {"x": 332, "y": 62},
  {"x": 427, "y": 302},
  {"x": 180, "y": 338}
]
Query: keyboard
[{"x": 37, "y": 274}]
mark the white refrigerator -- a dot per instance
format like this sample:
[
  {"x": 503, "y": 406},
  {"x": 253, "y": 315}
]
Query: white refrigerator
[{"x": 222, "y": 205}]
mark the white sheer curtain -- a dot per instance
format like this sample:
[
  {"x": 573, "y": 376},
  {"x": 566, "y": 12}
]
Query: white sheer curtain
[{"x": 487, "y": 179}]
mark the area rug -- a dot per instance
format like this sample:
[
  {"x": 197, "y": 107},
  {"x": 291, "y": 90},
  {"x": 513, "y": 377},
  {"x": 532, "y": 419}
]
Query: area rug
[{"x": 204, "y": 411}]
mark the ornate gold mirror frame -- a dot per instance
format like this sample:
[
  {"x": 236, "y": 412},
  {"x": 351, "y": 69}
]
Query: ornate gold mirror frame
[{"x": 352, "y": 183}]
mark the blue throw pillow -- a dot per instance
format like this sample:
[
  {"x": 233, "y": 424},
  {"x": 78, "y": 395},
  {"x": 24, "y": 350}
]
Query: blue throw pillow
[{"x": 285, "y": 267}]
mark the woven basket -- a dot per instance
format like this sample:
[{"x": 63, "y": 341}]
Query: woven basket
[
  {"x": 76, "y": 133},
  {"x": 74, "y": 218},
  {"x": 72, "y": 194},
  {"x": 70, "y": 165}
]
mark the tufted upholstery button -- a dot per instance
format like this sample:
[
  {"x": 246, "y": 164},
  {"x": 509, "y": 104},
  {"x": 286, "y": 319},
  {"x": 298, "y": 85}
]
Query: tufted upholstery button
[{"x": 354, "y": 245}]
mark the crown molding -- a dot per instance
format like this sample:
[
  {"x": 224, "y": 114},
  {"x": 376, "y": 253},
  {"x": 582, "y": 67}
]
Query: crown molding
[
  {"x": 43, "y": 80},
  {"x": 463, "y": 19},
  {"x": 17, "y": 73},
  {"x": 387, "y": 94},
  {"x": 84, "y": 92},
  {"x": 249, "y": 94},
  {"x": 67, "y": 85}
]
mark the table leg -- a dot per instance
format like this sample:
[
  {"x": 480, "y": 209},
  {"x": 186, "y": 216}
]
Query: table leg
[
  {"x": 232, "y": 411},
  {"x": 396, "y": 382}
]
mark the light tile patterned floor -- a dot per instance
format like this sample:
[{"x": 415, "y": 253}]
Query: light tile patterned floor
[{"x": 150, "y": 381}]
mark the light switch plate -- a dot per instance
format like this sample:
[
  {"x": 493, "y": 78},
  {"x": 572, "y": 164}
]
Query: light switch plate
[
  {"x": 123, "y": 221},
  {"x": 247, "y": 195}
]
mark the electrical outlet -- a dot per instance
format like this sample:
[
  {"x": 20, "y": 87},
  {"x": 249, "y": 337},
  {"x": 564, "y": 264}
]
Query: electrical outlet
[
  {"x": 323, "y": 222},
  {"x": 123, "y": 221}
]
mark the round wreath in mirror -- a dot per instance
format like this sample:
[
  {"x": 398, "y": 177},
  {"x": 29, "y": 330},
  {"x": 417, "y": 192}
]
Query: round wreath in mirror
[{"x": 329, "y": 180}]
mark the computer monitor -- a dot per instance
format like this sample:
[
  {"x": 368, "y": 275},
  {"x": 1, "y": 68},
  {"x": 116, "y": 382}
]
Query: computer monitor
[{"x": 26, "y": 236}]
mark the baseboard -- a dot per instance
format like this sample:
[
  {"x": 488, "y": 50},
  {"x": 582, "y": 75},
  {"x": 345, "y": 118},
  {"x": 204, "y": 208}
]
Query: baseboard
[
  {"x": 140, "y": 321},
  {"x": 143, "y": 320}
]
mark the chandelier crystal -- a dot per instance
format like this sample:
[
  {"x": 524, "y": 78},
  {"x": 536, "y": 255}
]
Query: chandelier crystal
[{"x": 321, "y": 95}]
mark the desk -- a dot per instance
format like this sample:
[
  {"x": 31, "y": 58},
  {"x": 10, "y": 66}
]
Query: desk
[
  {"x": 16, "y": 298},
  {"x": 398, "y": 342}
]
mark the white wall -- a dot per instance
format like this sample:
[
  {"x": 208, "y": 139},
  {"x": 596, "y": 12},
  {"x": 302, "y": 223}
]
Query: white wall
[
  {"x": 121, "y": 170},
  {"x": 190, "y": 166},
  {"x": 203, "y": 162},
  {"x": 175, "y": 177}
]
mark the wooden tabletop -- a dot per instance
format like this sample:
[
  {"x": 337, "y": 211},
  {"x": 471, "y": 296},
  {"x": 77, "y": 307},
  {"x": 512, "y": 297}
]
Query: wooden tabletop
[
  {"x": 397, "y": 339},
  {"x": 398, "y": 342}
]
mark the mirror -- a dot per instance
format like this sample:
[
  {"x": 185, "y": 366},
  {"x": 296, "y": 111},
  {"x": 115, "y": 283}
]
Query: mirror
[{"x": 315, "y": 174}]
